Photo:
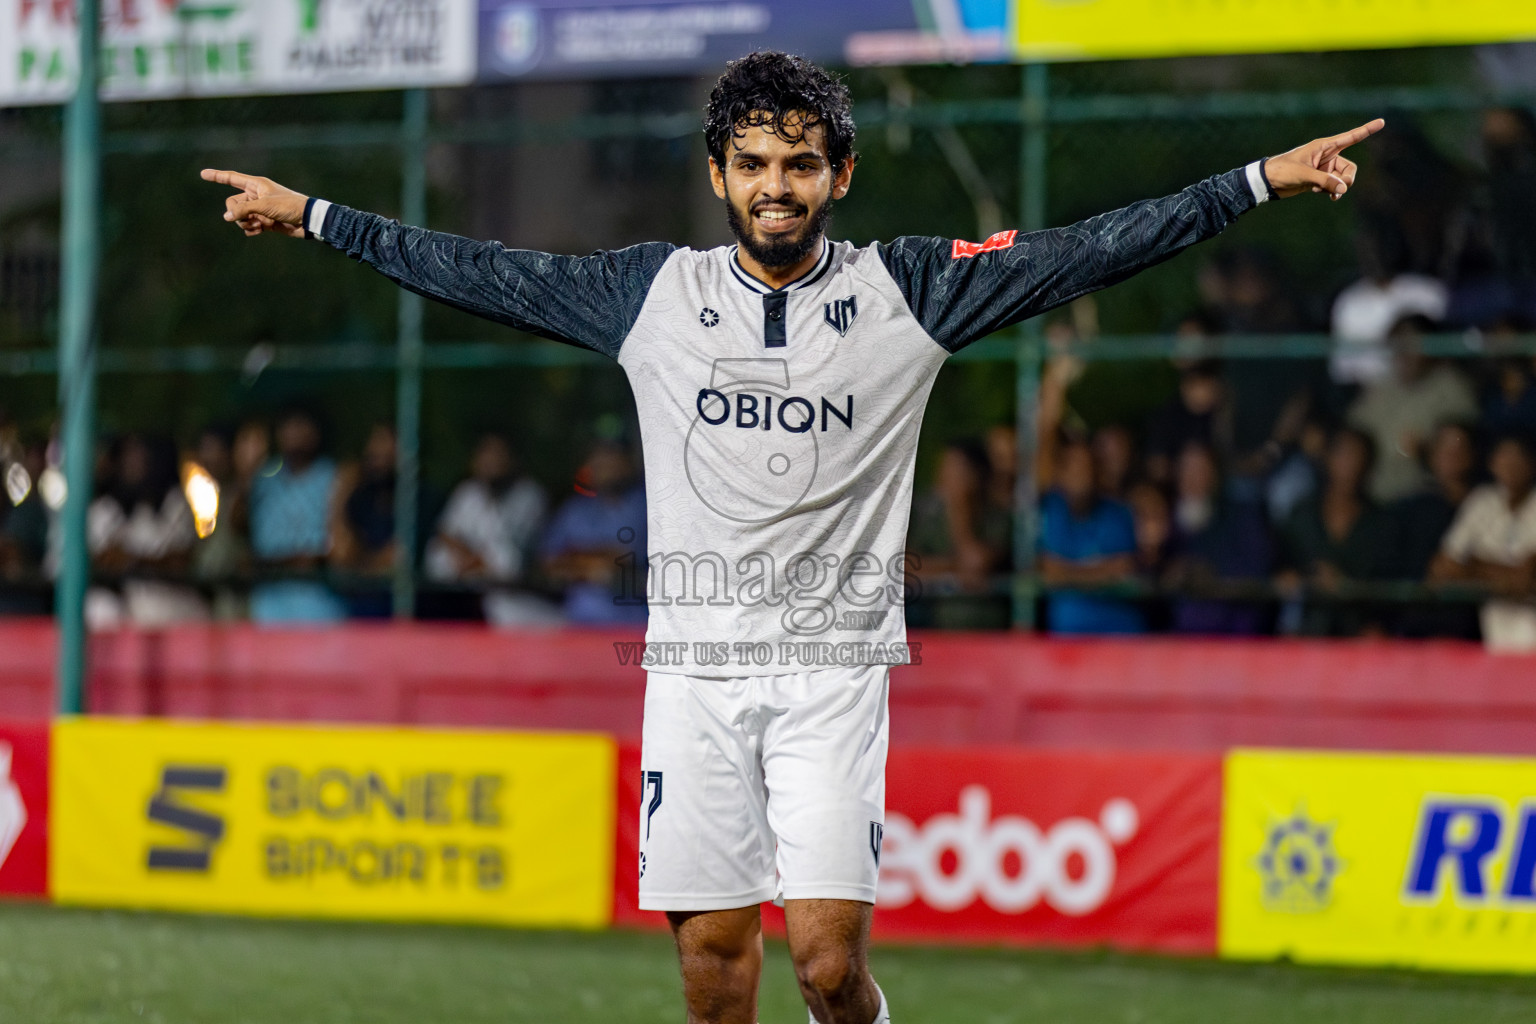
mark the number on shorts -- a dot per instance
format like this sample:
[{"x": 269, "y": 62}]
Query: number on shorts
[{"x": 646, "y": 779}]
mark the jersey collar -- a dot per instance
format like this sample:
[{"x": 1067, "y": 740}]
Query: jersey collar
[{"x": 810, "y": 277}]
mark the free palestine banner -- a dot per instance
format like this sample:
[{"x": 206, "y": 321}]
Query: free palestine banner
[{"x": 159, "y": 49}]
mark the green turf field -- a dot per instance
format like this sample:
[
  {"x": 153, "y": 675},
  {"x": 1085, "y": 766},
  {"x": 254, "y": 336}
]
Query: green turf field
[{"x": 82, "y": 967}]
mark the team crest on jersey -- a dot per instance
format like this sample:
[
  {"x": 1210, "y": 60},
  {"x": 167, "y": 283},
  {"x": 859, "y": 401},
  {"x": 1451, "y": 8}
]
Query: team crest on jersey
[
  {"x": 841, "y": 314},
  {"x": 708, "y": 317}
]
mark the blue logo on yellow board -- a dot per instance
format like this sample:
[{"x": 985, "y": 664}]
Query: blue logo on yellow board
[
  {"x": 1299, "y": 864},
  {"x": 1457, "y": 845}
]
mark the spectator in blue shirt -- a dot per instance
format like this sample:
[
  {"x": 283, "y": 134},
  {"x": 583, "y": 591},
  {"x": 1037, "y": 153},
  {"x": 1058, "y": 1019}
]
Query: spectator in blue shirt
[
  {"x": 291, "y": 504},
  {"x": 1086, "y": 541},
  {"x": 595, "y": 545}
]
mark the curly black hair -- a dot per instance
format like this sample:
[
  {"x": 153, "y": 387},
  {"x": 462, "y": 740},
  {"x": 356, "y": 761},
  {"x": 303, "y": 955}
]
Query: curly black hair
[{"x": 764, "y": 89}]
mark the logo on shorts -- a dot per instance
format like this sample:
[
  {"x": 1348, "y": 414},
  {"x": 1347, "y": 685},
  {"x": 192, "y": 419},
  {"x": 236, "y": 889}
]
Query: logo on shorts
[
  {"x": 876, "y": 834},
  {"x": 841, "y": 314},
  {"x": 646, "y": 780}
]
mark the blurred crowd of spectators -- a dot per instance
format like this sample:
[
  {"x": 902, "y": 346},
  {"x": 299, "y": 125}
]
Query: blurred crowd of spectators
[
  {"x": 259, "y": 522},
  {"x": 1381, "y": 491},
  {"x": 1424, "y": 476},
  {"x": 1392, "y": 518}
]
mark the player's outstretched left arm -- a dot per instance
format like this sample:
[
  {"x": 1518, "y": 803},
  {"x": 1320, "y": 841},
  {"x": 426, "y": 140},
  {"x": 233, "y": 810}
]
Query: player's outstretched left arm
[
  {"x": 1319, "y": 165},
  {"x": 963, "y": 291}
]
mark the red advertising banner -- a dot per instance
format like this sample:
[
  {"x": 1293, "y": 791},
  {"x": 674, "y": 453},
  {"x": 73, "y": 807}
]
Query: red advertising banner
[
  {"x": 1027, "y": 847},
  {"x": 1058, "y": 848},
  {"x": 23, "y": 809}
]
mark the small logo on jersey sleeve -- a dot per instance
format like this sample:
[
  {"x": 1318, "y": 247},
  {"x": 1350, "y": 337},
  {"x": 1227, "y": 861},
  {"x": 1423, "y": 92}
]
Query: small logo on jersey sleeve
[
  {"x": 965, "y": 250},
  {"x": 708, "y": 317},
  {"x": 841, "y": 314}
]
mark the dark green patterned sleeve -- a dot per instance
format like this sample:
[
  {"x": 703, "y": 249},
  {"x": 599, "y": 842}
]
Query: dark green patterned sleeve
[
  {"x": 962, "y": 291},
  {"x": 591, "y": 301}
]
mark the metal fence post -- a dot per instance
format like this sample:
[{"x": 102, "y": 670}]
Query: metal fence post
[
  {"x": 408, "y": 343},
  {"x": 77, "y": 353},
  {"x": 1033, "y": 161}
]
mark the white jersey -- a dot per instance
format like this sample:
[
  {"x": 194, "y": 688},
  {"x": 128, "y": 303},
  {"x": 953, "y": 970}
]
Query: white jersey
[
  {"x": 779, "y": 430},
  {"x": 780, "y": 426}
]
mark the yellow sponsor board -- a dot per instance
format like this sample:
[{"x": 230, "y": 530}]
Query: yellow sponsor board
[
  {"x": 1379, "y": 859},
  {"x": 1093, "y": 29},
  {"x": 334, "y": 821}
]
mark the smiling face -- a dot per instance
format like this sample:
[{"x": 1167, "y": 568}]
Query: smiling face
[{"x": 778, "y": 191}]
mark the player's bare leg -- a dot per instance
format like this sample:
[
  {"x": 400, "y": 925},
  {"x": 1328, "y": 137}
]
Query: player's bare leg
[
  {"x": 721, "y": 955},
  {"x": 829, "y": 944}
]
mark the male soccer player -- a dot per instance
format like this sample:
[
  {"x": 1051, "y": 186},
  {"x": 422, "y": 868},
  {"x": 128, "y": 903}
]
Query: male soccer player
[{"x": 780, "y": 384}]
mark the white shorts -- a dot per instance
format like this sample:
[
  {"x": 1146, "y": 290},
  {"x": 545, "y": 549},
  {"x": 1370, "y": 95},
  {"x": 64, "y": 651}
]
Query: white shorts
[{"x": 762, "y": 787}]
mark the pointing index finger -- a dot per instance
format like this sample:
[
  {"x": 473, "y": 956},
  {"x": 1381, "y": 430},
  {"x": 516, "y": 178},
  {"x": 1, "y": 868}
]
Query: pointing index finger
[
  {"x": 1360, "y": 134},
  {"x": 234, "y": 179}
]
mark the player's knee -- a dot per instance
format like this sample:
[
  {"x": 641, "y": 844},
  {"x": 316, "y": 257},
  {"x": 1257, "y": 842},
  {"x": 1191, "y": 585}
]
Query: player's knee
[
  {"x": 714, "y": 945},
  {"x": 830, "y": 973}
]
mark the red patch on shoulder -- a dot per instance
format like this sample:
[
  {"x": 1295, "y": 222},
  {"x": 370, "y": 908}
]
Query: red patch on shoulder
[{"x": 965, "y": 250}]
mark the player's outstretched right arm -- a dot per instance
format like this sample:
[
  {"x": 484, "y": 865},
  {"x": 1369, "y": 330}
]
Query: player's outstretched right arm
[
  {"x": 591, "y": 301},
  {"x": 961, "y": 291}
]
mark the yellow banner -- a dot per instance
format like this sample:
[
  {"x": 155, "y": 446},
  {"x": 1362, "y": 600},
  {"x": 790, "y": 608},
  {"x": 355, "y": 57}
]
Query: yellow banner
[
  {"x": 1380, "y": 859},
  {"x": 1093, "y": 29},
  {"x": 334, "y": 821}
]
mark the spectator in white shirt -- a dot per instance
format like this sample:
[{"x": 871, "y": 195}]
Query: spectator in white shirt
[
  {"x": 1364, "y": 314},
  {"x": 1400, "y": 412},
  {"x": 143, "y": 525},
  {"x": 1492, "y": 542},
  {"x": 487, "y": 534}
]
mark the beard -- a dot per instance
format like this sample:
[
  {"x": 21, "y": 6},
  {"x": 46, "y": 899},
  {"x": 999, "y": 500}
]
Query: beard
[{"x": 776, "y": 251}]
